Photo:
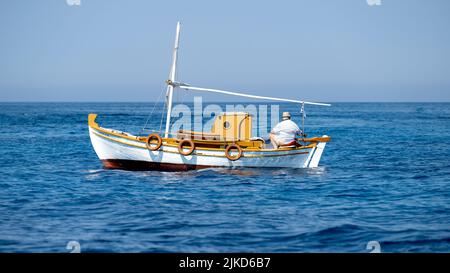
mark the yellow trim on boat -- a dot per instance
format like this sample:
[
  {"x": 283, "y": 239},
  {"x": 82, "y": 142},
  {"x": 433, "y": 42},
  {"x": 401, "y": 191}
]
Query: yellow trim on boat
[
  {"x": 171, "y": 142},
  {"x": 317, "y": 139},
  {"x": 94, "y": 125},
  {"x": 195, "y": 152}
]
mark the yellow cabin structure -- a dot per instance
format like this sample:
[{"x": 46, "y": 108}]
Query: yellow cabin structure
[
  {"x": 233, "y": 126},
  {"x": 227, "y": 127}
]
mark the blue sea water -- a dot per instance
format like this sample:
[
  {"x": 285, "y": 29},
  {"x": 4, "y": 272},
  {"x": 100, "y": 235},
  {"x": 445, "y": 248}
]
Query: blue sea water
[{"x": 384, "y": 177}]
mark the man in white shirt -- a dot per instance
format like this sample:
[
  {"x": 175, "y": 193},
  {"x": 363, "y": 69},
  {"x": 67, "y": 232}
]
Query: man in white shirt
[{"x": 285, "y": 132}]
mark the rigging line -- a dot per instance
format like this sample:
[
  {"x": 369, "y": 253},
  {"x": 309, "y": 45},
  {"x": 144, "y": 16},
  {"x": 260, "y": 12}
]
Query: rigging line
[
  {"x": 162, "y": 116},
  {"x": 171, "y": 119},
  {"x": 188, "y": 87},
  {"x": 302, "y": 110},
  {"x": 153, "y": 110},
  {"x": 179, "y": 101},
  {"x": 182, "y": 95}
]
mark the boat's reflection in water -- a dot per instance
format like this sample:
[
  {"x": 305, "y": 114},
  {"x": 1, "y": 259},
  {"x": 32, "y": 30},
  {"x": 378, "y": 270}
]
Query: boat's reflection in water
[
  {"x": 93, "y": 174},
  {"x": 218, "y": 174},
  {"x": 240, "y": 172},
  {"x": 268, "y": 172}
]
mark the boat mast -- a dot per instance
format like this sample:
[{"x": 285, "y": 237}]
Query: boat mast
[{"x": 169, "y": 93}]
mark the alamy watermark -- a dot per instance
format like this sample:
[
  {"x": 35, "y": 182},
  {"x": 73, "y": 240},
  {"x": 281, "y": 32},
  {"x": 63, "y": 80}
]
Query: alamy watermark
[
  {"x": 374, "y": 246},
  {"x": 74, "y": 247},
  {"x": 73, "y": 2},
  {"x": 201, "y": 118},
  {"x": 78, "y": 2},
  {"x": 374, "y": 2}
]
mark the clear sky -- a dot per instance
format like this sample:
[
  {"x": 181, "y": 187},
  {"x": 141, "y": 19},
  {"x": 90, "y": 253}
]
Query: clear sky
[{"x": 323, "y": 50}]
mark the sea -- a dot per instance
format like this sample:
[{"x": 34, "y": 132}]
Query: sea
[{"x": 383, "y": 184}]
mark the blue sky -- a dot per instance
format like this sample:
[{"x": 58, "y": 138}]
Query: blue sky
[{"x": 322, "y": 50}]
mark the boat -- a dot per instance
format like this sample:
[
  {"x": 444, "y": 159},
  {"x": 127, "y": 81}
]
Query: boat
[{"x": 229, "y": 143}]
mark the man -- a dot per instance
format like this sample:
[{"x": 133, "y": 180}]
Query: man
[{"x": 285, "y": 132}]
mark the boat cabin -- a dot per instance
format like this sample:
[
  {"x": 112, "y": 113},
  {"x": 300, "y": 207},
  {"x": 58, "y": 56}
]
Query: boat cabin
[{"x": 227, "y": 127}]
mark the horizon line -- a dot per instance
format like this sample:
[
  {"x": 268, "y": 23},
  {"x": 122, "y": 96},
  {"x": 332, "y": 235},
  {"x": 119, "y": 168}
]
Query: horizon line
[{"x": 217, "y": 102}]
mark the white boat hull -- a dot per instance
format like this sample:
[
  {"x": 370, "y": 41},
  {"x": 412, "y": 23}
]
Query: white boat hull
[{"x": 125, "y": 153}]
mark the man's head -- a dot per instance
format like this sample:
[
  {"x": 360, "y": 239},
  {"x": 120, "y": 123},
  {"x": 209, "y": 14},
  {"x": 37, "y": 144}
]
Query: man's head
[{"x": 286, "y": 115}]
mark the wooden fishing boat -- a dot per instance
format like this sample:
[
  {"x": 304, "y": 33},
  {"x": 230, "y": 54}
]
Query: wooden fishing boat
[{"x": 229, "y": 143}]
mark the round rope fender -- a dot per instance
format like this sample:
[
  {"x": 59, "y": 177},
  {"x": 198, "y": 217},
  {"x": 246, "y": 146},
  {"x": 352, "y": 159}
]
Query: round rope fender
[
  {"x": 150, "y": 140},
  {"x": 183, "y": 143},
  {"x": 233, "y": 147}
]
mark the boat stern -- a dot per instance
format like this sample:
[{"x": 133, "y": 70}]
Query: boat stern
[{"x": 318, "y": 151}]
